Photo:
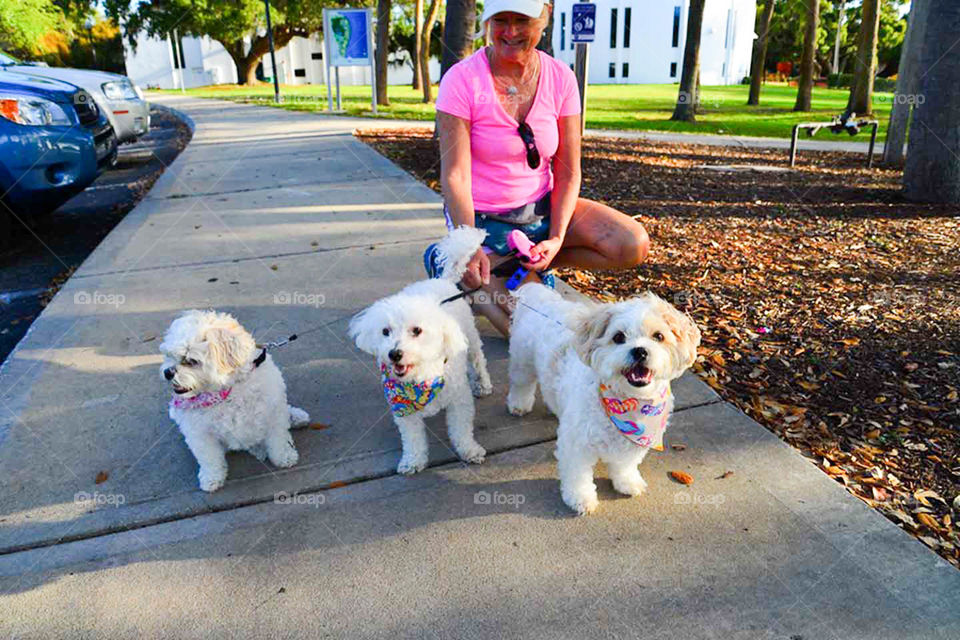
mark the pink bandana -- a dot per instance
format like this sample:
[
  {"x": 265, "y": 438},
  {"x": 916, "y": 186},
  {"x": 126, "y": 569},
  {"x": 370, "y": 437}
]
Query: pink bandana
[
  {"x": 201, "y": 400},
  {"x": 637, "y": 420}
]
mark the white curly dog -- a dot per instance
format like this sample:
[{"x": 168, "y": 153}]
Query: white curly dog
[
  {"x": 429, "y": 354},
  {"x": 228, "y": 395},
  {"x": 605, "y": 372}
]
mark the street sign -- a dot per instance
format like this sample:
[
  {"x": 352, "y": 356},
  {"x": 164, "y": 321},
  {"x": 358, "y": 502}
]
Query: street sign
[
  {"x": 584, "y": 21},
  {"x": 348, "y": 42}
]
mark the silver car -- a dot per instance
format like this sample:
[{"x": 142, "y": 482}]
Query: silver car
[{"x": 116, "y": 95}]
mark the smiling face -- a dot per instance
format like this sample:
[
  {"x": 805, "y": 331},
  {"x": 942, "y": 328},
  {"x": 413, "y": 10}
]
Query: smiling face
[
  {"x": 412, "y": 336},
  {"x": 634, "y": 344},
  {"x": 514, "y": 36}
]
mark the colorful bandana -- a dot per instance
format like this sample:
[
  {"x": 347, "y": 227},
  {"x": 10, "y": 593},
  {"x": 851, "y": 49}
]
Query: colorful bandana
[
  {"x": 406, "y": 398},
  {"x": 638, "y": 421},
  {"x": 201, "y": 400}
]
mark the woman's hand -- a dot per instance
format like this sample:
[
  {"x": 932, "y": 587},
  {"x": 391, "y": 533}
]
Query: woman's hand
[
  {"x": 478, "y": 270},
  {"x": 547, "y": 251}
]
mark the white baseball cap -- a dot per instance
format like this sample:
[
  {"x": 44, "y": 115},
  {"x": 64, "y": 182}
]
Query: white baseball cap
[{"x": 532, "y": 8}]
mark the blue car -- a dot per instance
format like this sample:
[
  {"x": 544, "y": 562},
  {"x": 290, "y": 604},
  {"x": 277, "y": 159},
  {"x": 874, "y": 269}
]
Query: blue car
[{"x": 54, "y": 141}]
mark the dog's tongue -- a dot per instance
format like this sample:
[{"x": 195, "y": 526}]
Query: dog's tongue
[{"x": 638, "y": 375}]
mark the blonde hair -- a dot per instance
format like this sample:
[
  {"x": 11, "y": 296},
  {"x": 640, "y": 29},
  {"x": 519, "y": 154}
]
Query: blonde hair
[{"x": 484, "y": 31}]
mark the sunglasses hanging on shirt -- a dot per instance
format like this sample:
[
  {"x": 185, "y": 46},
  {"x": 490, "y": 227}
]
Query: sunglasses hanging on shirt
[{"x": 533, "y": 154}]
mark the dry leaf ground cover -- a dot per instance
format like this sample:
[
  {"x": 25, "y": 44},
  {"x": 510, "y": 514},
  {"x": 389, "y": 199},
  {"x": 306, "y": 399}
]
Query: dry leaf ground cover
[{"x": 830, "y": 306}]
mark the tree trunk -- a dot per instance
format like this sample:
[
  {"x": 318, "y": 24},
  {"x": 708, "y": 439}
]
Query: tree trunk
[
  {"x": 685, "y": 109},
  {"x": 247, "y": 62},
  {"x": 417, "y": 37},
  {"x": 760, "y": 52},
  {"x": 807, "y": 62},
  {"x": 546, "y": 40},
  {"x": 907, "y": 81},
  {"x": 861, "y": 93},
  {"x": 383, "y": 44},
  {"x": 424, "y": 61},
  {"x": 932, "y": 173},
  {"x": 459, "y": 27}
]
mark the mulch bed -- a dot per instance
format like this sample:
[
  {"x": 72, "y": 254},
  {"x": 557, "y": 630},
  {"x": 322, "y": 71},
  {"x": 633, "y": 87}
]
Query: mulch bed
[{"x": 829, "y": 305}]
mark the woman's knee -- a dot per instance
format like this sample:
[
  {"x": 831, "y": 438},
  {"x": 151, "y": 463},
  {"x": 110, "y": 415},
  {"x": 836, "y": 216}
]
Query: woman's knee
[{"x": 634, "y": 245}]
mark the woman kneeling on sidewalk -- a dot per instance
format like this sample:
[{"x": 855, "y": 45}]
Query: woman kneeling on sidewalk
[{"x": 508, "y": 119}]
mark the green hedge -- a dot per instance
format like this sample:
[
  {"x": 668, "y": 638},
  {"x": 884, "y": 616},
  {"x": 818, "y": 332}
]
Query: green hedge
[{"x": 844, "y": 80}]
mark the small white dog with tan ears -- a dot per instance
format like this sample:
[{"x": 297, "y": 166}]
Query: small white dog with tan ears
[
  {"x": 605, "y": 372},
  {"x": 228, "y": 395},
  {"x": 429, "y": 354}
]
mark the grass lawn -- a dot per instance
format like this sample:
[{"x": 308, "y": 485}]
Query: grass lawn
[{"x": 635, "y": 106}]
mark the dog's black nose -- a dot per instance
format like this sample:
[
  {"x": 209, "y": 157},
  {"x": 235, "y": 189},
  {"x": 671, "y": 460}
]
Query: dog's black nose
[
  {"x": 639, "y": 354},
  {"x": 169, "y": 373},
  {"x": 396, "y": 355}
]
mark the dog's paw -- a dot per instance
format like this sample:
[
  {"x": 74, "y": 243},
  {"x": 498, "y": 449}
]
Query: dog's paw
[
  {"x": 583, "y": 504},
  {"x": 410, "y": 466},
  {"x": 298, "y": 417},
  {"x": 481, "y": 388},
  {"x": 474, "y": 454},
  {"x": 286, "y": 457},
  {"x": 211, "y": 480},
  {"x": 519, "y": 404},
  {"x": 630, "y": 487}
]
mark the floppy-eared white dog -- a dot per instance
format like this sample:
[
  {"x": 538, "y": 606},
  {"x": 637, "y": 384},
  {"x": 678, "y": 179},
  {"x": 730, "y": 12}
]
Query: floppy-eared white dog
[
  {"x": 604, "y": 370},
  {"x": 228, "y": 395},
  {"x": 429, "y": 354}
]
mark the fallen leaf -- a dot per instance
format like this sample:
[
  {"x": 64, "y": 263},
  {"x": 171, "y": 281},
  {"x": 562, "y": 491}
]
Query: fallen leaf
[
  {"x": 318, "y": 426},
  {"x": 681, "y": 477},
  {"x": 725, "y": 474},
  {"x": 928, "y": 521},
  {"x": 101, "y": 477},
  {"x": 678, "y": 447},
  {"x": 274, "y": 267},
  {"x": 336, "y": 485},
  {"x": 873, "y": 434}
]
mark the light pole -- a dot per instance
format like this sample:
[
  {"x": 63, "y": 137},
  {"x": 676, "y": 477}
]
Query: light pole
[
  {"x": 273, "y": 59},
  {"x": 88, "y": 23}
]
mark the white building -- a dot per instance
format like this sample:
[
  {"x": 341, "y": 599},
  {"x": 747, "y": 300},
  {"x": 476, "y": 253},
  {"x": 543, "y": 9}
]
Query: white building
[
  {"x": 642, "y": 42},
  {"x": 153, "y": 64}
]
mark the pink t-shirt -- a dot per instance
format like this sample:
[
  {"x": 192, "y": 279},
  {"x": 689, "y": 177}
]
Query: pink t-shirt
[{"x": 501, "y": 178}]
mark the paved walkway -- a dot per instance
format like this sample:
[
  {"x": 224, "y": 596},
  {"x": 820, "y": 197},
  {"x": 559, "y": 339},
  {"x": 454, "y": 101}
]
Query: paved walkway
[{"x": 287, "y": 221}]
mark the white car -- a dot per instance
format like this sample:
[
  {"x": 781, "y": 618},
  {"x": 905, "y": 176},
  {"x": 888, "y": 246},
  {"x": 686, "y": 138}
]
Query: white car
[{"x": 116, "y": 95}]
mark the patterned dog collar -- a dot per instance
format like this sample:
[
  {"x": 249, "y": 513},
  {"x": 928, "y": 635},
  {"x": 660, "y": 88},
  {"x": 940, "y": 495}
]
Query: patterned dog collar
[
  {"x": 201, "y": 400},
  {"x": 406, "y": 398},
  {"x": 637, "y": 420}
]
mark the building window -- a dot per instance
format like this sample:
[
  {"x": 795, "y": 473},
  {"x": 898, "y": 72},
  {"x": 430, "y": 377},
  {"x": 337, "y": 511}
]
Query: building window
[
  {"x": 178, "y": 62},
  {"x": 563, "y": 30},
  {"x": 300, "y": 73},
  {"x": 673, "y": 69},
  {"x": 626, "y": 69},
  {"x": 676, "y": 26},
  {"x": 613, "y": 68},
  {"x": 316, "y": 55},
  {"x": 613, "y": 29},
  {"x": 626, "y": 28}
]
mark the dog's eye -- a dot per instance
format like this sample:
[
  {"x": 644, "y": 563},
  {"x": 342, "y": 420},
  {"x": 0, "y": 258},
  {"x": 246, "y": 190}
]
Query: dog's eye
[
  {"x": 416, "y": 331},
  {"x": 386, "y": 331},
  {"x": 619, "y": 337},
  {"x": 658, "y": 336}
]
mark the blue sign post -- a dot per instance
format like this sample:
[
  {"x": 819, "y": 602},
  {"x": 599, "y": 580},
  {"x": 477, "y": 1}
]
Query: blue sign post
[
  {"x": 584, "y": 21},
  {"x": 584, "y": 28}
]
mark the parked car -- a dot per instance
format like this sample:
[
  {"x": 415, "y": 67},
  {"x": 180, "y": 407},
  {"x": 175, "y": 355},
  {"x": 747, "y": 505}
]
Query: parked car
[
  {"x": 54, "y": 141},
  {"x": 116, "y": 95}
]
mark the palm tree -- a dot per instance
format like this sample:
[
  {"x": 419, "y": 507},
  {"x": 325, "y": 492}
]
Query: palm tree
[
  {"x": 687, "y": 97},
  {"x": 458, "y": 28},
  {"x": 760, "y": 51},
  {"x": 383, "y": 43},
  {"x": 932, "y": 173},
  {"x": 808, "y": 61}
]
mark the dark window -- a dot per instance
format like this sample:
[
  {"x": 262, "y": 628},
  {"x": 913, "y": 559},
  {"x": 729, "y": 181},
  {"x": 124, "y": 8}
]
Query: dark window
[
  {"x": 626, "y": 69},
  {"x": 626, "y": 28},
  {"x": 613, "y": 29},
  {"x": 300, "y": 73},
  {"x": 563, "y": 30},
  {"x": 673, "y": 69},
  {"x": 316, "y": 56},
  {"x": 676, "y": 26},
  {"x": 613, "y": 67},
  {"x": 178, "y": 62},
  {"x": 571, "y": 66}
]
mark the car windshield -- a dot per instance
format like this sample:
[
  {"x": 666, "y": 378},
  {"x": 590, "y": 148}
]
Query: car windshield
[{"x": 6, "y": 58}]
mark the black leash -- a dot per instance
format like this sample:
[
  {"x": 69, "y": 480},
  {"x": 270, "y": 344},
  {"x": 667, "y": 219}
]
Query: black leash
[{"x": 460, "y": 295}]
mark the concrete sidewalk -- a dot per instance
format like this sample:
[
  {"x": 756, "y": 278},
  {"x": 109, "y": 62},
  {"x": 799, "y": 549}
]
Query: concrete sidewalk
[{"x": 287, "y": 221}]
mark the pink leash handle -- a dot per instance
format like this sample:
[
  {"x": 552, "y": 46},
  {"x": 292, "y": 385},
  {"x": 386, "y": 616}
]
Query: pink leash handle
[{"x": 519, "y": 242}]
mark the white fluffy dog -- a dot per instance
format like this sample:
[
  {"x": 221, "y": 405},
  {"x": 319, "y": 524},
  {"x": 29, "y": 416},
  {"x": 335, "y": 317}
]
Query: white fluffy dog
[
  {"x": 228, "y": 395},
  {"x": 430, "y": 355},
  {"x": 605, "y": 372}
]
